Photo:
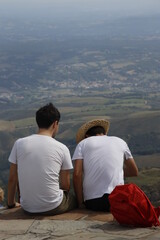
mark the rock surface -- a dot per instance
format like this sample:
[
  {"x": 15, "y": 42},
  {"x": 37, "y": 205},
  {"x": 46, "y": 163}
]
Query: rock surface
[{"x": 75, "y": 225}]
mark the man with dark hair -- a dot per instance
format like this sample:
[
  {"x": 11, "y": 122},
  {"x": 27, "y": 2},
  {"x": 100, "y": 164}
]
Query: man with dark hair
[
  {"x": 42, "y": 166},
  {"x": 46, "y": 115},
  {"x": 101, "y": 162}
]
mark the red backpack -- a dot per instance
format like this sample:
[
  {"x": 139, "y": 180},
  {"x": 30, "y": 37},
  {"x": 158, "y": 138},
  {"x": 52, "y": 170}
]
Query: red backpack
[{"x": 130, "y": 206}]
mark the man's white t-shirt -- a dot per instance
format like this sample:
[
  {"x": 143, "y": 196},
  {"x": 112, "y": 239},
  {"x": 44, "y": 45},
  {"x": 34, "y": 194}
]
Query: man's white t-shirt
[
  {"x": 103, "y": 160},
  {"x": 39, "y": 160}
]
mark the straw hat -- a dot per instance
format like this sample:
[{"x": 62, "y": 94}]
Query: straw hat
[{"x": 85, "y": 127}]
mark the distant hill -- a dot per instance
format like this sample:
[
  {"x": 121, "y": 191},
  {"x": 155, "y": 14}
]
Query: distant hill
[{"x": 140, "y": 130}]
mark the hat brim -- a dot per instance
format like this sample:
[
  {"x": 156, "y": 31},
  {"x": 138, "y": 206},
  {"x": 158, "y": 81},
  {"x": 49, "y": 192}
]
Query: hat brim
[{"x": 85, "y": 127}]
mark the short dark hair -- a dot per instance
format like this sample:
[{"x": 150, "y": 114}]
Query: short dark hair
[
  {"x": 95, "y": 130},
  {"x": 47, "y": 115}
]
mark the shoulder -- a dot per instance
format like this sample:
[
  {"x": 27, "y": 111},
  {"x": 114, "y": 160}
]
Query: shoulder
[
  {"x": 24, "y": 139},
  {"x": 83, "y": 143},
  {"x": 18, "y": 141},
  {"x": 60, "y": 145},
  {"x": 116, "y": 140}
]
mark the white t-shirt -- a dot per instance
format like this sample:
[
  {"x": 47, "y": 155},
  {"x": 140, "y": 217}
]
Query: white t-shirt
[
  {"x": 39, "y": 160},
  {"x": 103, "y": 159}
]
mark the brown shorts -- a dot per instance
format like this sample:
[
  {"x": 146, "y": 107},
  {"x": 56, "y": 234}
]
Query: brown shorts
[{"x": 68, "y": 203}]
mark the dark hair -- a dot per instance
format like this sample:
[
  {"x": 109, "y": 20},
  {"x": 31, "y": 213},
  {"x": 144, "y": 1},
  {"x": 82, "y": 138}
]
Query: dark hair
[
  {"x": 95, "y": 130},
  {"x": 47, "y": 115}
]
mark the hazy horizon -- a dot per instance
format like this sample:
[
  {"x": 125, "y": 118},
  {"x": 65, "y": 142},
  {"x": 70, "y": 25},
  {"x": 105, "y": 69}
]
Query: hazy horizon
[{"x": 76, "y": 8}]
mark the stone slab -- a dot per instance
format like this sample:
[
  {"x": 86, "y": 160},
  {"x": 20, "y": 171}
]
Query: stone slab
[
  {"x": 77, "y": 214},
  {"x": 81, "y": 229},
  {"x": 15, "y": 226},
  {"x": 14, "y": 213},
  {"x": 72, "y": 229},
  {"x": 75, "y": 225}
]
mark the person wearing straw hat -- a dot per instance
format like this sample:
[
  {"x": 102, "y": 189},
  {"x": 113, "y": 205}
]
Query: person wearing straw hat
[{"x": 100, "y": 164}]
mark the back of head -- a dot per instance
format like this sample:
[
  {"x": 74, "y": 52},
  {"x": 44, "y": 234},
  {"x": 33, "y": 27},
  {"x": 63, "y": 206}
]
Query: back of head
[
  {"x": 47, "y": 115},
  {"x": 95, "y": 131},
  {"x": 92, "y": 128}
]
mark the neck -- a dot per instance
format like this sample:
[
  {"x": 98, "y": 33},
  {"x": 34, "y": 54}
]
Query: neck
[{"x": 45, "y": 132}]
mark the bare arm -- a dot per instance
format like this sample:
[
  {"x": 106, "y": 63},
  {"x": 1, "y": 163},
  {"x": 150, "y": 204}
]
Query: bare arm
[
  {"x": 78, "y": 181},
  {"x": 130, "y": 168},
  {"x": 12, "y": 184},
  {"x": 65, "y": 180}
]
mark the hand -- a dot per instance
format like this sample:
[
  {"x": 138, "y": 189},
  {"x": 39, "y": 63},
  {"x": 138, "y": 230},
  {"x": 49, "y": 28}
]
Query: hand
[
  {"x": 17, "y": 204},
  {"x": 14, "y": 205}
]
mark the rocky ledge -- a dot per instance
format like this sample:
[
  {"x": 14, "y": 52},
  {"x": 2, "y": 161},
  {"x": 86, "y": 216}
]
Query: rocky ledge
[{"x": 77, "y": 224}]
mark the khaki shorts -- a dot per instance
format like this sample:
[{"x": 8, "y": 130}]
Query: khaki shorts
[{"x": 68, "y": 203}]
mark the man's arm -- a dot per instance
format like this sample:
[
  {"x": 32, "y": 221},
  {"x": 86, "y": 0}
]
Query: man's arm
[
  {"x": 78, "y": 181},
  {"x": 12, "y": 185},
  {"x": 130, "y": 168},
  {"x": 65, "y": 179}
]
